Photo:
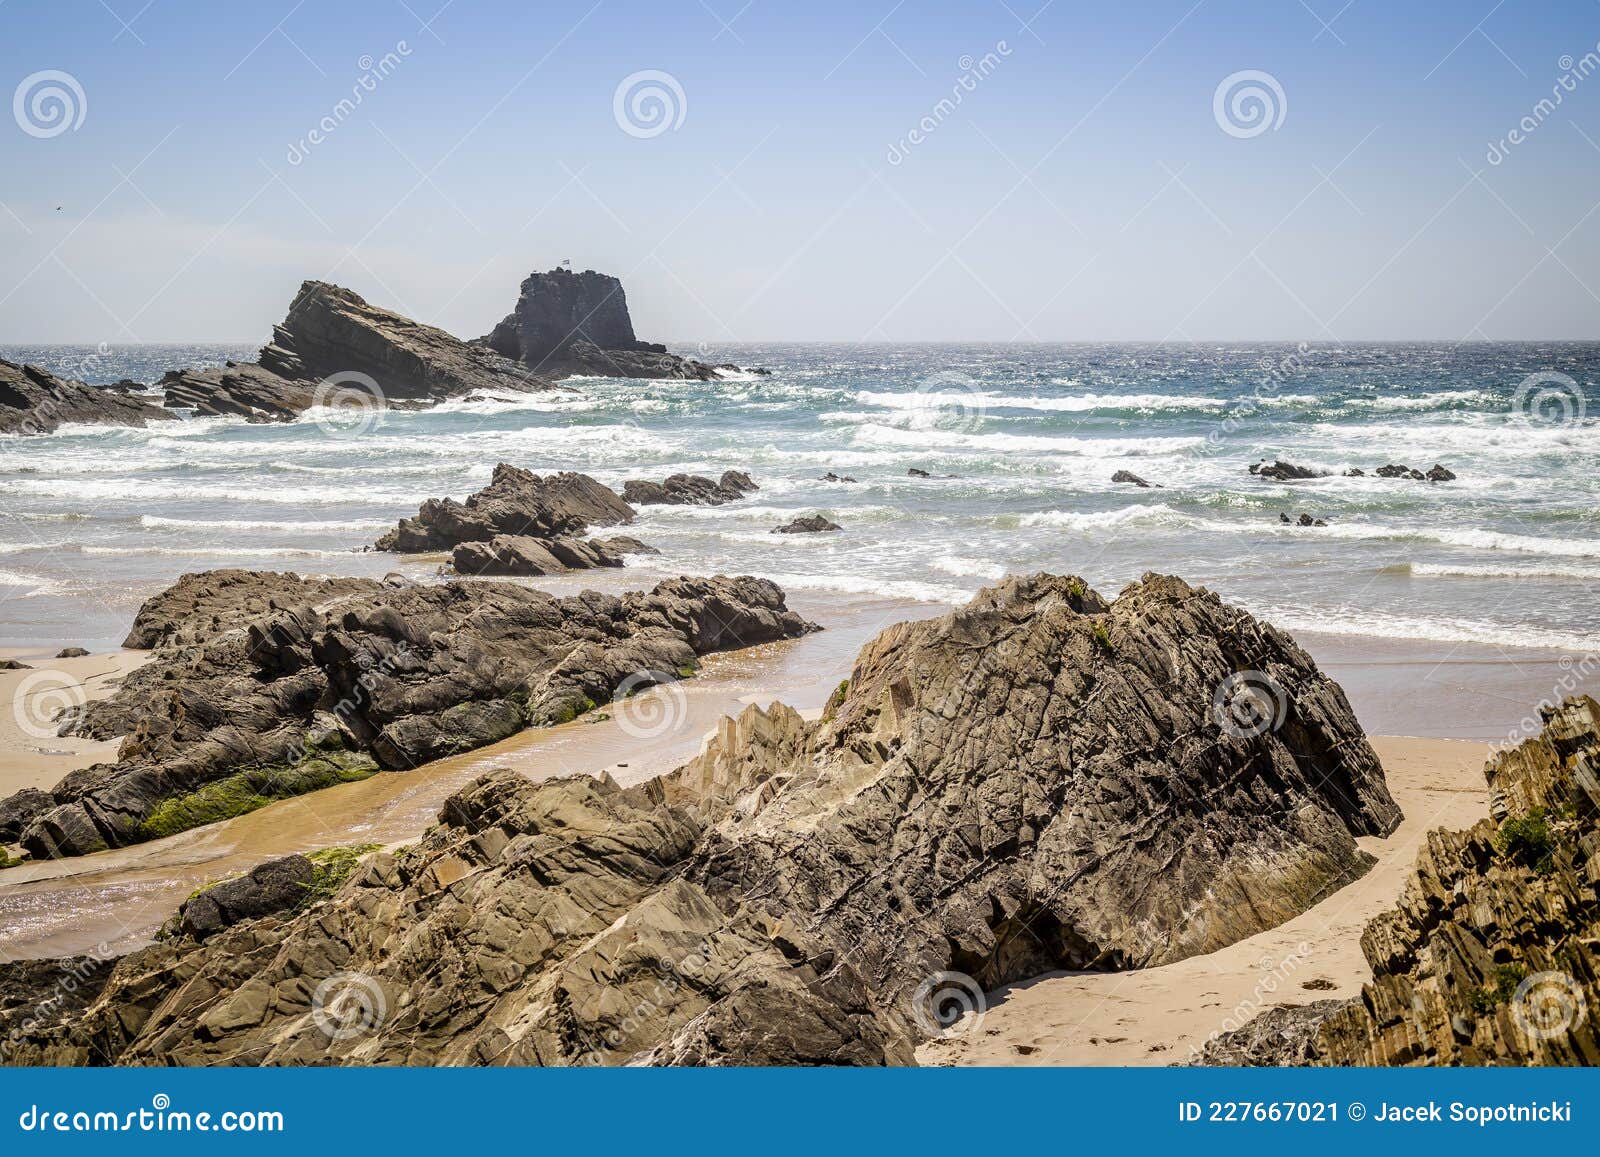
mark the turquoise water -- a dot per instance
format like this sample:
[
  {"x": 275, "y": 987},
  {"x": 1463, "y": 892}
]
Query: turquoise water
[{"x": 1022, "y": 440}]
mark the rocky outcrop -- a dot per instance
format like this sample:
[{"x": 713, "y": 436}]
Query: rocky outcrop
[
  {"x": 807, "y": 524},
  {"x": 35, "y": 401},
  {"x": 1281, "y": 471},
  {"x": 521, "y": 555},
  {"x": 1304, "y": 520},
  {"x": 577, "y": 323},
  {"x": 516, "y": 502},
  {"x": 1436, "y": 474},
  {"x": 690, "y": 490},
  {"x": 1038, "y": 780},
  {"x": 238, "y": 390},
  {"x": 1283, "y": 1035},
  {"x": 17, "y": 810},
  {"x": 1492, "y": 956},
  {"x": 309, "y": 694},
  {"x": 204, "y": 604},
  {"x": 1132, "y": 479}
]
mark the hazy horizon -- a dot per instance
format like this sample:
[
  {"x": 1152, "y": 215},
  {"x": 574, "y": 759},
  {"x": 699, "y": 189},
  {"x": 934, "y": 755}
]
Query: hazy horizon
[{"x": 900, "y": 174}]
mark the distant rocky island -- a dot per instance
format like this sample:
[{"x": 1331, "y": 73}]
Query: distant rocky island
[{"x": 563, "y": 324}]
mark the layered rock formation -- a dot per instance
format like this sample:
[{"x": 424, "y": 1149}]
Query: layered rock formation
[
  {"x": 35, "y": 401},
  {"x": 690, "y": 489},
  {"x": 516, "y": 502},
  {"x": 1037, "y": 780},
  {"x": 525, "y": 556},
  {"x": 807, "y": 524},
  {"x": 307, "y": 694},
  {"x": 1492, "y": 956},
  {"x": 577, "y": 323}
]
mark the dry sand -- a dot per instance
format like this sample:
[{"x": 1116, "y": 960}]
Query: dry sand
[
  {"x": 31, "y": 754},
  {"x": 1156, "y": 1016}
]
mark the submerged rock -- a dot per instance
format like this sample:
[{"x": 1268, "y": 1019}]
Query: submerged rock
[
  {"x": 807, "y": 524},
  {"x": 318, "y": 691},
  {"x": 35, "y": 401},
  {"x": 690, "y": 490},
  {"x": 516, "y": 502},
  {"x": 1130, "y": 477},
  {"x": 1038, "y": 780}
]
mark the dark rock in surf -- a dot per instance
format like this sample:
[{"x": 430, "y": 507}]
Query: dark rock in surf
[
  {"x": 809, "y": 524},
  {"x": 1129, "y": 477},
  {"x": 830, "y": 476},
  {"x": 516, "y": 502},
  {"x": 689, "y": 490},
  {"x": 35, "y": 401},
  {"x": 1281, "y": 471},
  {"x": 1440, "y": 474}
]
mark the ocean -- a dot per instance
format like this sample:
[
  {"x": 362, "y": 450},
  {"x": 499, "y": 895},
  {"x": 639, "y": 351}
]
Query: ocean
[{"x": 1497, "y": 566}]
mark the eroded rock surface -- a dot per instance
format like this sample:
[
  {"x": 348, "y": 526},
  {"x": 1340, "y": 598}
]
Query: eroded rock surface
[
  {"x": 516, "y": 502},
  {"x": 690, "y": 490},
  {"x": 1037, "y": 780},
  {"x": 35, "y": 401},
  {"x": 1492, "y": 956},
  {"x": 316, "y": 691},
  {"x": 523, "y": 555}
]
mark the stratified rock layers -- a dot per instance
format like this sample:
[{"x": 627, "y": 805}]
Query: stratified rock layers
[{"x": 1036, "y": 780}]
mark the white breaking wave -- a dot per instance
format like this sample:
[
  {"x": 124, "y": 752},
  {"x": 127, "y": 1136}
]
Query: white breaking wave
[
  {"x": 890, "y": 436},
  {"x": 1082, "y": 403},
  {"x": 1467, "y": 570},
  {"x": 969, "y": 567},
  {"x": 214, "y": 552},
  {"x": 156, "y": 522},
  {"x": 1376, "y": 624},
  {"x": 1158, "y": 513},
  {"x": 863, "y": 585}
]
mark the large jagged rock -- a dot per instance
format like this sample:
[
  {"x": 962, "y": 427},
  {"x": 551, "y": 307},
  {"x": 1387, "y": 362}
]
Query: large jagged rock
[
  {"x": 274, "y": 886},
  {"x": 516, "y": 502},
  {"x": 1283, "y": 1035},
  {"x": 1492, "y": 956},
  {"x": 689, "y": 489},
  {"x": 35, "y": 401},
  {"x": 1037, "y": 780},
  {"x": 320, "y": 691},
  {"x": 568, "y": 323},
  {"x": 204, "y": 604}
]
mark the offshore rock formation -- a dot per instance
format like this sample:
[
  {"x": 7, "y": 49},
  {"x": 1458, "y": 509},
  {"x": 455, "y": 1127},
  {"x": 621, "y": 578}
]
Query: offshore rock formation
[
  {"x": 516, "y": 502},
  {"x": 1037, "y": 780},
  {"x": 1492, "y": 956},
  {"x": 690, "y": 490},
  {"x": 306, "y": 695},
  {"x": 807, "y": 524},
  {"x": 35, "y": 401},
  {"x": 328, "y": 347},
  {"x": 568, "y": 323}
]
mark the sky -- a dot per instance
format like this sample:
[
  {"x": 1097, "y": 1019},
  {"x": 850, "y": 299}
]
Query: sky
[{"x": 809, "y": 170}]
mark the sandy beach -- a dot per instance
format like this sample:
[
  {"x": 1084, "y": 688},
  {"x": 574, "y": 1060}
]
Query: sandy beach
[
  {"x": 1156, "y": 1016},
  {"x": 31, "y": 754}
]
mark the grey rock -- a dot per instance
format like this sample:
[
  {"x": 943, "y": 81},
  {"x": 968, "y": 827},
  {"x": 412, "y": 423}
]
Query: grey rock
[
  {"x": 1283, "y": 1035},
  {"x": 35, "y": 401},
  {"x": 1130, "y": 477},
  {"x": 807, "y": 524},
  {"x": 689, "y": 490},
  {"x": 516, "y": 502},
  {"x": 71, "y": 653},
  {"x": 274, "y": 886},
  {"x": 1281, "y": 471}
]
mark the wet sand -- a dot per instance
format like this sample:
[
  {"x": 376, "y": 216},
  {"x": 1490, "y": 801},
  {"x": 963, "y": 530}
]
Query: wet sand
[
  {"x": 31, "y": 754},
  {"x": 1156, "y": 1016}
]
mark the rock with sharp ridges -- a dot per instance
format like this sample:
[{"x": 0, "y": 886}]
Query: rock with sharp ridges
[{"x": 35, "y": 401}]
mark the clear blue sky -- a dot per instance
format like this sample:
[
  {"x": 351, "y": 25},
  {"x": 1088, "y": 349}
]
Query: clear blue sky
[{"x": 1082, "y": 190}]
